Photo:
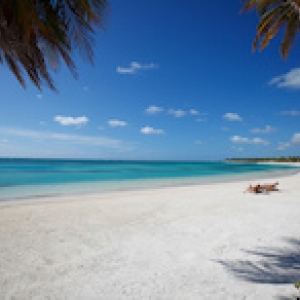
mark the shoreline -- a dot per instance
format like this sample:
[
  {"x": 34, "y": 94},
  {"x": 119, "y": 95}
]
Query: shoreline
[
  {"x": 189, "y": 242},
  {"x": 144, "y": 185}
]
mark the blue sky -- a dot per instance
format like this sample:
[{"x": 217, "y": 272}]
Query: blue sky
[{"x": 171, "y": 80}]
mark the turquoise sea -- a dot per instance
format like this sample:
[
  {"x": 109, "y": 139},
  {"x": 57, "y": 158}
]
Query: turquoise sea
[{"x": 33, "y": 178}]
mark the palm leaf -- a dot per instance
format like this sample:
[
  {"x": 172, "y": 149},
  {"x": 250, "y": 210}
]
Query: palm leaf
[
  {"x": 274, "y": 15},
  {"x": 35, "y": 35},
  {"x": 292, "y": 27},
  {"x": 270, "y": 23}
]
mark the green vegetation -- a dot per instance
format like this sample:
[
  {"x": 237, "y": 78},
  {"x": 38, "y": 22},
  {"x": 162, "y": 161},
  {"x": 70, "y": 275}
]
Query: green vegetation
[
  {"x": 267, "y": 159},
  {"x": 36, "y": 34},
  {"x": 297, "y": 286},
  {"x": 274, "y": 16}
]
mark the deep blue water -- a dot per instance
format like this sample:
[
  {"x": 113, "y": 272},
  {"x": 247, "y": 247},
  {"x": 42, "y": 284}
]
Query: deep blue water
[{"x": 31, "y": 174}]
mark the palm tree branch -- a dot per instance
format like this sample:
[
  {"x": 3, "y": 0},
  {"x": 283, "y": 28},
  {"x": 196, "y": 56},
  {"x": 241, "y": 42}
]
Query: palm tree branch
[
  {"x": 292, "y": 27},
  {"x": 275, "y": 14},
  {"x": 269, "y": 25},
  {"x": 33, "y": 33}
]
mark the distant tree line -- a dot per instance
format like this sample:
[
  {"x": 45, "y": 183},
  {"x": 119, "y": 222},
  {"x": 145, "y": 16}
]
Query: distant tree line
[{"x": 267, "y": 159}]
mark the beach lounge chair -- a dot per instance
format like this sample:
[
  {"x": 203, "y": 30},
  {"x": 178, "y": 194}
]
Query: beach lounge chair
[
  {"x": 270, "y": 187},
  {"x": 254, "y": 189},
  {"x": 264, "y": 188}
]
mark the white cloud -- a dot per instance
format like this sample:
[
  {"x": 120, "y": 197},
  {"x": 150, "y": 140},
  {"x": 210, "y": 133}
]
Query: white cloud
[
  {"x": 116, "y": 123},
  {"x": 283, "y": 145},
  {"x": 135, "y": 67},
  {"x": 224, "y": 128},
  {"x": 239, "y": 149},
  {"x": 201, "y": 120},
  {"x": 295, "y": 140},
  {"x": 178, "y": 113},
  {"x": 194, "y": 112},
  {"x": 199, "y": 142},
  {"x": 239, "y": 139},
  {"x": 288, "y": 80},
  {"x": 39, "y": 96},
  {"x": 232, "y": 117},
  {"x": 69, "y": 121},
  {"x": 267, "y": 129},
  {"x": 152, "y": 110},
  {"x": 244, "y": 140},
  {"x": 151, "y": 130},
  {"x": 292, "y": 112},
  {"x": 75, "y": 139}
]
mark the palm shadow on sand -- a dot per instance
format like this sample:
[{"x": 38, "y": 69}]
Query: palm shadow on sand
[{"x": 268, "y": 265}]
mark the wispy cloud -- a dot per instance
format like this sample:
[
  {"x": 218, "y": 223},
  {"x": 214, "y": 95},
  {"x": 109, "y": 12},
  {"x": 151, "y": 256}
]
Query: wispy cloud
[
  {"x": 116, "y": 123},
  {"x": 177, "y": 113},
  {"x": 292, "y": 113},
  {"x": 239, "y": 149},
  {"x": 232, "y": 117},
  {"x": 201, "y": 120},
  {"x": 151, "y": 130},
  {"x": 153, "y": 109},
  {"x": 71, "y": 121},
  {"x": 225, "y": 129},
  {"x": 75, "y": 139},
  {"x": 288, "y": 80},
  {"x": 39, "y": 96},
  {"x": 199, "y": 142},
  {"x": 135, "y": 67},
  {"x": 266, "y": 130},
  {"x": 245, "y": 140},
  {"x": 295, "y": 140},
  {"x": 283, "y": 145},
  {"x": 194, "y": 112}
]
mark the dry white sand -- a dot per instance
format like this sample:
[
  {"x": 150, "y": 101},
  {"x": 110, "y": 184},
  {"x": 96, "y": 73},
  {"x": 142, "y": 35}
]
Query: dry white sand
[{"x": 197, "y": 242}]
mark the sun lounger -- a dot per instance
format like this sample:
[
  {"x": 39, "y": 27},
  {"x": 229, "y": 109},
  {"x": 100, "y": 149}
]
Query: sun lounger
[{"x": 264, "y": 188}]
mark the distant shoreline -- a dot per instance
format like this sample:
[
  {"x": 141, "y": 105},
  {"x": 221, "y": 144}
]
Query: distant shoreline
[
  {"x": 279, "y": 163},
  {"x": 294, "y": 159}
]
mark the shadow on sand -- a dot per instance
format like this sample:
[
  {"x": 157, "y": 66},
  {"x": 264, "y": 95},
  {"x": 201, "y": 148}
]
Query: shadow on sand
[{"x": 269, "y": 265}]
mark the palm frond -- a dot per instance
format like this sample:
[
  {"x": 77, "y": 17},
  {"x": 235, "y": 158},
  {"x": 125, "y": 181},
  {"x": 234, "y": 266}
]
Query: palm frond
[
  {"x": 292, "y": 27},
  {"x": 269, "y": 25},
  {"x": 274, "y": 15},
  {"x": 35, "y": 33}
]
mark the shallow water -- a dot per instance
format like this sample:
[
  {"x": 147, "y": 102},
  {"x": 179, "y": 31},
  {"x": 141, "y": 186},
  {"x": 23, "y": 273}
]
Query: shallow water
[{"x": 35, "y": 178}]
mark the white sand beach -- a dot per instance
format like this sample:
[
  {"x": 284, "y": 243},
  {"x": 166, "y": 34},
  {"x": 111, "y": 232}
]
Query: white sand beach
[{"x": 196, "y": 242}]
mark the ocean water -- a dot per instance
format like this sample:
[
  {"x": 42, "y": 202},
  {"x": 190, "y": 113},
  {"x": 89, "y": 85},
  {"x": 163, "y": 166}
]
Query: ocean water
[{"x": 33, "y": 178}]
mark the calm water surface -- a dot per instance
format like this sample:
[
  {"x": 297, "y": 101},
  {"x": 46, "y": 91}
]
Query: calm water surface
[{"x": 39, "y": 177}]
